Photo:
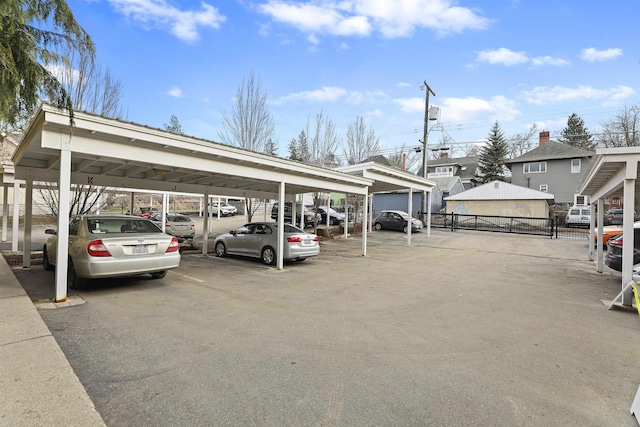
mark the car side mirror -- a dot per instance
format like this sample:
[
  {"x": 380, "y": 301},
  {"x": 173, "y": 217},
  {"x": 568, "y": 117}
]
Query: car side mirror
[{"x": 50, "y": 231}]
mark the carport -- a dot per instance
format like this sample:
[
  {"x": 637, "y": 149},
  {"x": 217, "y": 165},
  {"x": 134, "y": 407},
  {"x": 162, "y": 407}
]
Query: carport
[
  {"x": 386, "y": 178},
  {"x": 106, "y": 152},
  {"x": 613, "y": 172},
  {"x": 112, "y": 153}
]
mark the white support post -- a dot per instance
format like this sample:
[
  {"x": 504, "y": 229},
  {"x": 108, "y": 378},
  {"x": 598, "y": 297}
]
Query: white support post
[
  {"x": 409, "y": 211},
  {"x": 205, "y": 224},
  {"x": 369, "y": 203},
  {"x": 627, "y": 230},
  {"x": 28, "y": 214},
  {"x": 165, "y": 208},
  {"x": 346, "y": 217},
  {"x": 600, "y": 248},
  {"x": 364, "y": 222},
  {"x": 62, "y": 250},
  {"x": 5, "y": 212},
  {"x": 428, "y": 224},
  {"x": 294, "y": 213},
  {"x": 592, "y": 230},
  {"x": 279, "y": 251},
  {"x": 15, "y": 226},
  {"x": 131, "y": 203},
  {"x": 220, "y": 206}
]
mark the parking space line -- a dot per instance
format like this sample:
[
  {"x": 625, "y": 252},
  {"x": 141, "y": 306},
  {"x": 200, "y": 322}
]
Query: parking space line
[{"x": 187, "y": 277}]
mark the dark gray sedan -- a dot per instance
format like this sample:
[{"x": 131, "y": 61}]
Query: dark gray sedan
[
  {"x": 396, "y": 220},
  {"x": 260, "y": 240}
]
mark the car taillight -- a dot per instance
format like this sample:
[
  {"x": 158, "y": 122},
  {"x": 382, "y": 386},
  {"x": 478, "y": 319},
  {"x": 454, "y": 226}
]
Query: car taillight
[
  {"x": 294, "y": 239},
  {"x": 193, "y": 224},
  {"x": 98, "y": 249},
  {"x": 167, "y": 224},
  {"x": 316, "y": 239},
  {"x": 173, "y": 246},
  {"x": 616, "y": 242}
]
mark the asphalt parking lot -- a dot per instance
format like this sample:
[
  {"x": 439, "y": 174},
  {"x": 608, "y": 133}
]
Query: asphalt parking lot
[{"x": 462, "y": 328}]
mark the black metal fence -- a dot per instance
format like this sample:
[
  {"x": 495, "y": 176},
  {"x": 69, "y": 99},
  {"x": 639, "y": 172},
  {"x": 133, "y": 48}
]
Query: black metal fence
[{"x": 550, "y": 227}]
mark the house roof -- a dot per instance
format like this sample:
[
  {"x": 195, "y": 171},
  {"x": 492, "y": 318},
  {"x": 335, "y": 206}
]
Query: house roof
[
  {"x": 382, "y": 160},
  {"x": 552, "y": 151},
  {"x": 446, "y": 183},
  {"x": 498, "y": 190},
  {"x": 466, "y": 165}
]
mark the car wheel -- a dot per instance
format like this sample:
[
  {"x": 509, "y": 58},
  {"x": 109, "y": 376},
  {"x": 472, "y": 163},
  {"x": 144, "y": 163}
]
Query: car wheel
[
  {"x": 300, "y": 259},
  {"x": 221, "y": 250},
  {"x": 159, "y": 274},
  {"x": 377, "y": 226},
  {"x": 405, "y": 228},
  {"x": 45, "y": 260},
  {"x": 73, "y": 281},
  {"x": 268, "y": 256}
]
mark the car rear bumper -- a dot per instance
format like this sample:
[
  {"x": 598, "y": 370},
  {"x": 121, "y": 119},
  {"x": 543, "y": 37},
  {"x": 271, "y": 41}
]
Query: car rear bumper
[{"x": 114, "y": 267}]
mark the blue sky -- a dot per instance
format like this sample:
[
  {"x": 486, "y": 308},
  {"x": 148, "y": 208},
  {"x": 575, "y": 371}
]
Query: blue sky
[{"x": 520, "y": 62}]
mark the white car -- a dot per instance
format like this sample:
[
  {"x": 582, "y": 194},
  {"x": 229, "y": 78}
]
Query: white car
[
  {"x": 578, "y": 216},
  {"x": 225, "y": 209}
]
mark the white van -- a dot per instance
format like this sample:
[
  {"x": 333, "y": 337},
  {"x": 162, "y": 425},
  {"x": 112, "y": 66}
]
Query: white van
[{"x": 578, "y": 216}]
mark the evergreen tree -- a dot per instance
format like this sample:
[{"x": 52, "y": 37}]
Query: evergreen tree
[
  {"x": 492, "y": 163},
  {"x": 294, "y": 150},
  {"x": 271, "y": 148},
  {"x": 32, "y": 33},
  {"x": 174, "y": 125},
  {"x": 576, "y": 134}
]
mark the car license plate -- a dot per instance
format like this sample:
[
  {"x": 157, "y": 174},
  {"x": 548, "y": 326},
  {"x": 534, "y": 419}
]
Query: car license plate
[
  {"x": 140, "y": 249},
  {"x": 307, "y": 242}
]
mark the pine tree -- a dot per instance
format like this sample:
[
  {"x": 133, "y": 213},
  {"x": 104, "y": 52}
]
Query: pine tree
[
  {"x": 294, "y": 150},
  {"x": 492, "y": 163},
  {"x": 271, "y": 148},
  {"x": 576, "y": 134},
  {"x": 174, "y": 125}
]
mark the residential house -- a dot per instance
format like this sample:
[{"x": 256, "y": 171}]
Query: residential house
[
  {"x": 552, "y": 167},
  {"x": 463, "y": 167}
]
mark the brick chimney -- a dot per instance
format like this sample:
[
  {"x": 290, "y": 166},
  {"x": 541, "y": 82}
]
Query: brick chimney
[
  {"x": 443, "y": 154},
  {"x": 544, "y": 137}
]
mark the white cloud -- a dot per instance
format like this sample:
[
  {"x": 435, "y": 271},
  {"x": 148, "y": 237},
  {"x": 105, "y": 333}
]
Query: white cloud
[
  {"x": 502, "y": 56},
  {"x": 464, "y": 110},
  {"x": 593, "y": 55},
  {"x": 410, "y": 105},
  {"x": 333, "y": 94},
  {"x": 391, "y": 19},
  {"x": 549, "y": 60},
  {"x": 176, "y": 92},
  {"x": 325, "y": 94},
  {"x": 158, "y": 13},
  {"x": 555, "y": 95},
  {"x": 508, "y": 57}
]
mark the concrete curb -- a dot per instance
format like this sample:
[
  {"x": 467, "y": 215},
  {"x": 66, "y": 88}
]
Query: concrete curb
[{"x": 37, "y": 384}]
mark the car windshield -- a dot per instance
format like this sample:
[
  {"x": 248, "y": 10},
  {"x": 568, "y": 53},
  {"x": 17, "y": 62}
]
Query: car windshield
[
  {"x": 120, "y": 225},
  {"x": 403, "y": 215}
]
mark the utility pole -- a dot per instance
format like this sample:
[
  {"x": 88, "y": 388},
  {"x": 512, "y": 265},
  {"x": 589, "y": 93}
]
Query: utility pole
[{"x": 425, "y": 153}]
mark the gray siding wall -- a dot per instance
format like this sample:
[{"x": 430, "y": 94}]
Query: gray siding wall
[
  {"x": 560, "y": 181},
  {"x": 399, "y": 201}
]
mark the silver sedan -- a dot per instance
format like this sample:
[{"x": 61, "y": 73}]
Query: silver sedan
[
  {"x": 260, "y": 240},
  {"x": 113, "y": 246}
]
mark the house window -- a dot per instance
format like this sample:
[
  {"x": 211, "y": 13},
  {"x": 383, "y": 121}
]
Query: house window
[
  {"x": 575, "y": 165},
  {"x": 536, "y": 167},
  {"x": 444, "y": 170},
  {"x": 544, "y": 188}
]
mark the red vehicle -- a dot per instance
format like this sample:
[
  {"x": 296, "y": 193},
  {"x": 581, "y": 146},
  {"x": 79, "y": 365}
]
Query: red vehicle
[{"x": 146, "y": 211}]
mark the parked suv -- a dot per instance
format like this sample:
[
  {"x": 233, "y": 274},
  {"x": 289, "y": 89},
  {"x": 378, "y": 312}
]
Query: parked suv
[
  {"x": 309, "y": 217},
  {"x": 614, "y": 217}
]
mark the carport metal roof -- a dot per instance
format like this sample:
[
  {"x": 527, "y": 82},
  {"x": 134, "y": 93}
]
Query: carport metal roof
[
  {"x": 614, "y": 172},
  {"x": 387, "y": 178},
  {"x": 114, "y": 153}
]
